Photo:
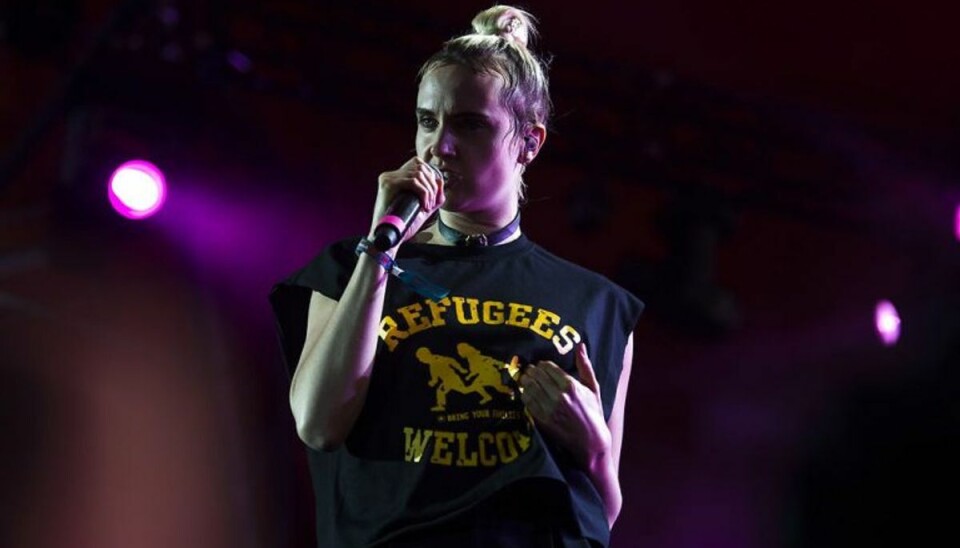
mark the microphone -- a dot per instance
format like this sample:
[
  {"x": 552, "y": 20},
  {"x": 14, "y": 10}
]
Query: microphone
[{"x": 391, "y": 227}]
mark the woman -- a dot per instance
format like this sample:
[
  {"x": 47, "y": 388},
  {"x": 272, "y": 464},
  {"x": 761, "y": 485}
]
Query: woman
[{"x": 413, "y": 442}]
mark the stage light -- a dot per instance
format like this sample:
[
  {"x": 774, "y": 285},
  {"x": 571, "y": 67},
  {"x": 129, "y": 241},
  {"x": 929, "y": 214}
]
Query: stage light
[
  {"x": 137, "y": 189},
  {"x": 888, "y": 322}
]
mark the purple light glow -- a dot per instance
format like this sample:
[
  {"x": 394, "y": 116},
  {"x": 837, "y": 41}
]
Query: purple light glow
[
  {"x": 956, "y": 223},
  {"x": 888, "y": 322},
  {"x": 137, "y": 189}
]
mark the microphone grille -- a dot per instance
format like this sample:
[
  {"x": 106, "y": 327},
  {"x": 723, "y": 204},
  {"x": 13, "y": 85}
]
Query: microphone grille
[{"x": 437, "y": 171}]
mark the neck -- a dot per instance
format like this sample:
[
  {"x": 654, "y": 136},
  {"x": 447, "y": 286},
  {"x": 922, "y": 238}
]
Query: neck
[
  {"x": 470, "y": 223},
  {"x": 479, "y": 223}
]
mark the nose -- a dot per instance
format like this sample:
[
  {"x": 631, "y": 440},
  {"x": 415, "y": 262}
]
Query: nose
[{"x": 443, "y": 143}]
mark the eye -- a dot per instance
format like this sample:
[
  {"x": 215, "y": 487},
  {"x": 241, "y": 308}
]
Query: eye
[{"x": 426, "y": 122}]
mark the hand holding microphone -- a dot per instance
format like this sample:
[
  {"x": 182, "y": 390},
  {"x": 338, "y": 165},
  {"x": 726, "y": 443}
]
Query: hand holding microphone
[{"x": 417, "y": 184}]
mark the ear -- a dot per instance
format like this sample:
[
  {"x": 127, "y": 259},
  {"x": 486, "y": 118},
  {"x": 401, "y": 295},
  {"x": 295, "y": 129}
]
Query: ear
[{"x": 531, "y": 143}]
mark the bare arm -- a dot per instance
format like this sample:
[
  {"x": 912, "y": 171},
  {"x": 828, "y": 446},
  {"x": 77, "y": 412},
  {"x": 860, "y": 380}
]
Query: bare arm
[
  {"x": 329, "y": 385},
  {"x": 606, "y": 477}
]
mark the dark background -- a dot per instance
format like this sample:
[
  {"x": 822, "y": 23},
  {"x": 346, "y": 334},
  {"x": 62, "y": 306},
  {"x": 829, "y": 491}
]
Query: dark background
[{"x": 760, "y": 173}]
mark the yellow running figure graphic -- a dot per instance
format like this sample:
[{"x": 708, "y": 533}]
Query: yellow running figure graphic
[
  {"x": 484, "y": 372},
  {"x": 448, "y": 375},
  {"x": 443, "y": 376}
]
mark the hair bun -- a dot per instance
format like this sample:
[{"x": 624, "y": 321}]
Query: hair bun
[{"x": 507, "y": 22}]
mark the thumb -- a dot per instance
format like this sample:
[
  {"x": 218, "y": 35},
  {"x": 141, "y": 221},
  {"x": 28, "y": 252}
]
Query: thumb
[{"x": 585, "y": 369}]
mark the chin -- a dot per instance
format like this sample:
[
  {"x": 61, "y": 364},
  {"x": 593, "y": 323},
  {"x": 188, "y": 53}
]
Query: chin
[
  {"x": 453, "y": 202},
  {"x": 450, "y": 207}
]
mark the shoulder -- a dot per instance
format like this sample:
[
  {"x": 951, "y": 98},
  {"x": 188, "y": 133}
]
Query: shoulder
[
  {"x": 329, "y": 271},
  {"x": 566, "y": 267},
  {"x": 562, "y": 271}
]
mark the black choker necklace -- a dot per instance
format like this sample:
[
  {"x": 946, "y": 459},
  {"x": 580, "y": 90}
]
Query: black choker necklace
[{"x": 456, "y": 237}]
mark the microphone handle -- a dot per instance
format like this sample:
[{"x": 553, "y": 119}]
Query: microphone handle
[
  {"x": 401, "y": 212},
  {"x": 394, "y": 223}
]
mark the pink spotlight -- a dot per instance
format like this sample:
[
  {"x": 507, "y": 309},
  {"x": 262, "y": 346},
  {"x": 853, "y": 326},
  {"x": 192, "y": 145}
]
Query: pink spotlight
[
  {"x": 888, "y": 322},
  {"x": 137, "y": 189}
]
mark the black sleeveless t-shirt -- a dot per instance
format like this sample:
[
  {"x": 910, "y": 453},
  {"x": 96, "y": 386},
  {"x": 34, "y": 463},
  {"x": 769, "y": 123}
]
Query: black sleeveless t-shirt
[{"x": 443, "y": 428}]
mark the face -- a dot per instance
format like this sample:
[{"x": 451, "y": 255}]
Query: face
[{"x": 464, "y": 130}]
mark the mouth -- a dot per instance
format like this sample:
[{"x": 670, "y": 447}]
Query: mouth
[{"x": 449, "y": 177}]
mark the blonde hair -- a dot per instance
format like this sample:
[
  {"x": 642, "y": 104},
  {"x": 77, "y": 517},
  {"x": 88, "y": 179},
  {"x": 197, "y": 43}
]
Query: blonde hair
[{"x": 499, "y": 45}]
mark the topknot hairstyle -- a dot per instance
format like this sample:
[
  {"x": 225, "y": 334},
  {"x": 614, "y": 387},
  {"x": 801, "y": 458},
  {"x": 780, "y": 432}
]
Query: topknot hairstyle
[{"x": 499, "y": 45}]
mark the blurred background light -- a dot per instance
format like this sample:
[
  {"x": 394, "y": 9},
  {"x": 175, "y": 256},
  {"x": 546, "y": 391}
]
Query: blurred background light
[
  {"x": 956, "y": 223},
  {"x": 137, "y": 189},
  {"x": 240, "y": 62},
  {"x": 888, "y": 322}
]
